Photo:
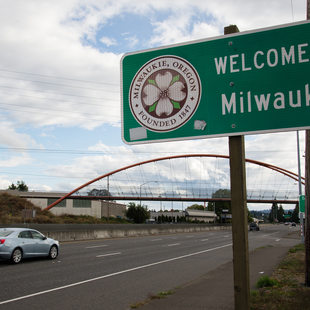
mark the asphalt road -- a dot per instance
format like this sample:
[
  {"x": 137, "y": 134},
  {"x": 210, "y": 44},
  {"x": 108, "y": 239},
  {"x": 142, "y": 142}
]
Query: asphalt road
[{"x": 117, "y": 273}]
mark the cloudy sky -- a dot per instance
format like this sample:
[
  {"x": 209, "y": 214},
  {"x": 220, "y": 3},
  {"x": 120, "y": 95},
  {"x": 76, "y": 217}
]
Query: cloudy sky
[{"x": 60, "y": 122}]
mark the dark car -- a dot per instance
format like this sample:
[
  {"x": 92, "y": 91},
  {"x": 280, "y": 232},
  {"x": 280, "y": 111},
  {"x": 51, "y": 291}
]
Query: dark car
[{"x": 253, "y": 226}]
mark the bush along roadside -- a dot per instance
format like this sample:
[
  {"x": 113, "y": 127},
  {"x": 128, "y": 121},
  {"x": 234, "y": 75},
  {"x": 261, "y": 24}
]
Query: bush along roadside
[{"x": 285, "y": 289}]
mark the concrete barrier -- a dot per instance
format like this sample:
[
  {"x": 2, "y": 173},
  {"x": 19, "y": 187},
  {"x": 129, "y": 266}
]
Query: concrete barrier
[{"x": 71, "y": 232}]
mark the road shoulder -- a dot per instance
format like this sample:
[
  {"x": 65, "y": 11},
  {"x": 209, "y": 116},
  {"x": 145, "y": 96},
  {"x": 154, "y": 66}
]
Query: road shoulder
[{"x": 214, "y": 290}]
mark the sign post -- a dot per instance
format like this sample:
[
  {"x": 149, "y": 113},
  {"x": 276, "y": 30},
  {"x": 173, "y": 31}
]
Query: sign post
[{"x": 239, "y": 215}]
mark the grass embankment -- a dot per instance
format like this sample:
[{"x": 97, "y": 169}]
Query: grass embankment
[
  {"x": 12, "y": 212},
  {"x": 285, "y": 289}
]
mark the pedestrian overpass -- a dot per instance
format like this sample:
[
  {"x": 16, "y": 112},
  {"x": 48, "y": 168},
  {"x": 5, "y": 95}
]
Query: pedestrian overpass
[{"x": 191, "y": 178}]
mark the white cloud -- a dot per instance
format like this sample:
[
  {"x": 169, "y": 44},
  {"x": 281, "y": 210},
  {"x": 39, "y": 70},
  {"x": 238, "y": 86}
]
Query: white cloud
[
  {"x": 46, "y": 44},
  {"x": 132, "y": 41},
  {"x": 108, "y": 41},
  {"x": 15, "y": 161},
  {"x": 38, "y": 187},
  {"x": 11, "y": 137},
  {"x": 4, "y": 183}
]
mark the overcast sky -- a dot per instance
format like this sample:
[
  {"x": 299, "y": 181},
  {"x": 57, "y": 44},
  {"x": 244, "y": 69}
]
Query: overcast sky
[{"x": 60, "y": 121}]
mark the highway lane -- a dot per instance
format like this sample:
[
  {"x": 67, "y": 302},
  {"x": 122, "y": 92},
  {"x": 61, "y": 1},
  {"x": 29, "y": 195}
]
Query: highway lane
[{"x": 116, "y": 273}]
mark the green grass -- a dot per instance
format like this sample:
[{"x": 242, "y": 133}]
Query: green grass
[
  {"x": 160, "y": 295},
  {"x": 285, "y": 289},
  {"x": 266, "y": 281}
]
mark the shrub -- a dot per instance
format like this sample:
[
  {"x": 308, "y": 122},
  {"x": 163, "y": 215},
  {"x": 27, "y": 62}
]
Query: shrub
[{"x": 266, "y": 281}]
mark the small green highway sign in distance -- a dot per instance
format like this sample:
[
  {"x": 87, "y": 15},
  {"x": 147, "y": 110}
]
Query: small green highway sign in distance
[
  {"x": 244, "y": 83},
  {"x": 302, "y": 203}
]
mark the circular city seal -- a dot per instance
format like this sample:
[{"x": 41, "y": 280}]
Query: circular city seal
[{"x": 165, "y": 93}]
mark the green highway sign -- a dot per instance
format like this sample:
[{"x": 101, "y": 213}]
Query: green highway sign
[
  {"x": 244, "y": 83},
  {"x": 302, "y": 203}
]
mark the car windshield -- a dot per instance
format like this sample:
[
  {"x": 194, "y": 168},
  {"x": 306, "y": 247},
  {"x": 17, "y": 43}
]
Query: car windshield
[{"x": 5, "y": 233}]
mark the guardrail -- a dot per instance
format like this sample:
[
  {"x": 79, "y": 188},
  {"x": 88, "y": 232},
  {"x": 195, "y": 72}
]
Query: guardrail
[{"x": 72, "y": 232}]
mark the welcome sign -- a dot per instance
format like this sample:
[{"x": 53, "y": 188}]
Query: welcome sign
[{"x": 245, "y": 83}]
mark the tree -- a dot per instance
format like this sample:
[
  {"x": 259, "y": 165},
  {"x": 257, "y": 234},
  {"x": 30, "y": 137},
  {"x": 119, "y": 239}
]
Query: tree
[
  {"x": 99, "y": 192},
  {"x": 295, "y": 214},
  {"x": 12, "y": 187},
  {"x": 219, "y": 206},
  {"x": 250, "y": 218},
  {"x": 196, "y": 207},
  {"x": 21, "y": 186},
  {"x": 273, "y": 213},
  {"x": 137, "y": 213},
  {"x": 280, "y": 214}
]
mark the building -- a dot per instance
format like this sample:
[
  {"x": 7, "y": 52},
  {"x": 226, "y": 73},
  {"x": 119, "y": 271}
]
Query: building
[
  {"x": 167, "y": 216},
  {"x": 201, "y": 216},
  {"x": 189, "y": 214},
  {"x": 73, "y": 206}
]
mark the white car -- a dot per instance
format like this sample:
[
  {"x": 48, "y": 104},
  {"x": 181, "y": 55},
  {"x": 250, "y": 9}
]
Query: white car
[{"x": 19, "y": 243}]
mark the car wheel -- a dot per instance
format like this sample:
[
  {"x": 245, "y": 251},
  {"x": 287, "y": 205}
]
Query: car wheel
[
  {"x": 17, "y": 256},
  {"x": 53, "y": 252}
]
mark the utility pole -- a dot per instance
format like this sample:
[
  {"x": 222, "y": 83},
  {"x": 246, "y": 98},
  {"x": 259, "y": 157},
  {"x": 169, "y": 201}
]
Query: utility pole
[
  {"x": 307, "y": 195},
  {"x": 301, "y": 215},
  {"x": 307, "y": 209}
]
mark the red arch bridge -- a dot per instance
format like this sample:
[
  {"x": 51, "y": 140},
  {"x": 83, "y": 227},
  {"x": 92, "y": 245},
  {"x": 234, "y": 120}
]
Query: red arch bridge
[{"x": 192, "y": 178}]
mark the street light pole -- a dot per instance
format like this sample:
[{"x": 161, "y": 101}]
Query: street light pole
[
  {"x": 141, "y": 187},
  {"x": 301, "y": 216}
]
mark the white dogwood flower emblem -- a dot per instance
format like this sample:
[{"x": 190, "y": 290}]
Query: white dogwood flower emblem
[{"x": 164, "y": 93}]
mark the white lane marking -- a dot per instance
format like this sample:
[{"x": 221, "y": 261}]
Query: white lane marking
[
  {"x": 277, "y": 240},
  {"x": 156, "y": 239},
  {"x": 109, "y": 254},
  {"x": 204, "y": 240},
  {"x": 96, "y": 246},
  {"x": 173, "y": 244},
  {"x": 114, "y": 274},
  {"x": 270, "y": 234}
]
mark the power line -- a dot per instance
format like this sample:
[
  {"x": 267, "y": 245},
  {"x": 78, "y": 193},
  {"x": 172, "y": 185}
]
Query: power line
[
  {"x": 105, "y": 152},
  {"x": 66, "y": 101},
  {"x": 43, "y": 176},
  {"x": 57, "y": 77},
  {"x": 62, "y": 151},
  {"x": 57, "y": 84},
  {"x": 47, "y": 91},
  {"x": 41, "y": 110},
  {"x": 48, "y": 112}
]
